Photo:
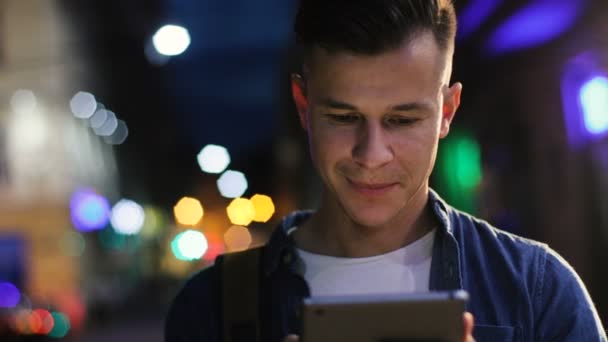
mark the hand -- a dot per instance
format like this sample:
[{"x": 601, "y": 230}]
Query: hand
[{"x": 469, "y": 322}]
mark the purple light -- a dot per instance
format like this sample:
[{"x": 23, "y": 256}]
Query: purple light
[
  {"x": 535, "y": 24},
  {"x": 582, "y": 79},
  {"x": 9, "y": 295},
  {"x": 89, "y": 211},
  {"x": 474, "y": 15}
]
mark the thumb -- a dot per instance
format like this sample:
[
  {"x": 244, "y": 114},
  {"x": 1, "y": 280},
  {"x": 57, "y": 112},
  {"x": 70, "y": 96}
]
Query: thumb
[{"x": 469, "y": 322}]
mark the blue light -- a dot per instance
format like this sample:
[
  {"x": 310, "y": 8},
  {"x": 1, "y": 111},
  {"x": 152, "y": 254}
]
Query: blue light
[
  {"x": 535, "y": 24},
  {"x": 474, "y": 15},
  {"x": 9, "y": 295},
  {"x": 585, "y": 99},
  {"x": 594, "y": 100},
  {"x": 89, "y": 211}
]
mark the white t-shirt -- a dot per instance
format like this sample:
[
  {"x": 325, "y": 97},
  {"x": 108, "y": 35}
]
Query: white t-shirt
[{"x": 404, "y": 270}]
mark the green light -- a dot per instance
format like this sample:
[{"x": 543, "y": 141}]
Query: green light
[
  {"x": 459, "y": 170},
  {"x": 468, "y": 163},
  {"x": 61, "y": 326}
]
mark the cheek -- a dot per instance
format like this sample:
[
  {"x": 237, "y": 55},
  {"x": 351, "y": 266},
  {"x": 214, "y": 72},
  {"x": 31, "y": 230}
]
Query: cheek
[
  {"x": 330, "y": 145},
  {"x": 417, "y": 147}
]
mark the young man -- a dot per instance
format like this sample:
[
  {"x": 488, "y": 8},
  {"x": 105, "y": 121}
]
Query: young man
[{"x": 374, "y": 98}]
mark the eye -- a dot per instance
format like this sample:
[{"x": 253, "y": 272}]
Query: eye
[
  {"x": 400, "y": 121},
  {"x": 342, "y": 119}
]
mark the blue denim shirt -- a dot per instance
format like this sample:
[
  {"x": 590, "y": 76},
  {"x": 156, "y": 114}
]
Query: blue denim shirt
[{"x": 520, "y": 290}]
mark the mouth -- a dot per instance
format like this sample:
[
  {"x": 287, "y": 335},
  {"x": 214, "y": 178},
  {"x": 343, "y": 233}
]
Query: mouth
[{"x": 371, "y": 189}]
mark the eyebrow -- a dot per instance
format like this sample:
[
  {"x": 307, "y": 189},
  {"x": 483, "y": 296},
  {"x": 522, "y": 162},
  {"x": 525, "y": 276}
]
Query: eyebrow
[{"x": 404, "y": 107}]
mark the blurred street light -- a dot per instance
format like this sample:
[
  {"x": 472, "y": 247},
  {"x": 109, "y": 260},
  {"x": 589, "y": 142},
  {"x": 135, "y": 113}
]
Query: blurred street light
[
  {"x": 241, "y": 211},
  {"x": 237, "y": 238},
  {"x": 189, "y": 245},
  {"x": 171, "y": 40},
  {"x": 119, "y": 135},
  {"x": 264, "y": 208},
  {"x": 9, "y": 295},
  {"x": 83, "y": 105},
  {"x": 594, "y": 99},
  {"x": 232, "y": 184},
  {"x": 89, "y": 211},
  {"x": 127, "y": 217},
  {"x": 213, "y": 159},
  {"x": 188, "y": 211}
]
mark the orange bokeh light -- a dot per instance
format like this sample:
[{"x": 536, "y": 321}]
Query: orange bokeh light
[{"x": 237, "y": 238}]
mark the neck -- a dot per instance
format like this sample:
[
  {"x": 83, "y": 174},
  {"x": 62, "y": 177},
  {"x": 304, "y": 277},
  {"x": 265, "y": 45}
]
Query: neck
[{"x": 330, "y": 231}]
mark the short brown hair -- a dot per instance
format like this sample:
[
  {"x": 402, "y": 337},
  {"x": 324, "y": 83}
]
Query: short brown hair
[{"x": 371, "y": 27}]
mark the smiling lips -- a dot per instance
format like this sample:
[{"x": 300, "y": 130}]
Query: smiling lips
[{"x": 375, "y": 189}]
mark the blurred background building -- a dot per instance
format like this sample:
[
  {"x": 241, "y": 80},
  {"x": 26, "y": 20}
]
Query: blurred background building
[{"x": 139, "y": 139}]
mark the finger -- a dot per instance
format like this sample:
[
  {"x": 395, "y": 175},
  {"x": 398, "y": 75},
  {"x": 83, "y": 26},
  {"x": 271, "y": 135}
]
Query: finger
[
  {"x": 469, "y": 322},
  {"x": 292, "y": 338}
]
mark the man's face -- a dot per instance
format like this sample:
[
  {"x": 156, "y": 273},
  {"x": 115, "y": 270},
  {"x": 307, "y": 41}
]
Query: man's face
[{"x": 373, "y": 124}]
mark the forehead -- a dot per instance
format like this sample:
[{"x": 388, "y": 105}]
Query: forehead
[{"x": 416, "y": 67}]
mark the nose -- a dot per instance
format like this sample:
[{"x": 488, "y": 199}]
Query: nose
[{"x": 372, "y": 149}]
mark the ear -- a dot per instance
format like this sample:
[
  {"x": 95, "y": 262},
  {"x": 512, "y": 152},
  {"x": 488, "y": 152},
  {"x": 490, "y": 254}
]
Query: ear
[
  {"x": 299, "y": 98},
  {"x": 451, "y": 102}
]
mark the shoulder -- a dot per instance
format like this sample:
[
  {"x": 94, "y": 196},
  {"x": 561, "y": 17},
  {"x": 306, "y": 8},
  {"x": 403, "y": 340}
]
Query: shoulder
[
  {"x": 561, "y": 304},
  {"x": 479, "y": 235},
  {"x": 193, "y": 313},
  {"x": 562, "y": 297}
]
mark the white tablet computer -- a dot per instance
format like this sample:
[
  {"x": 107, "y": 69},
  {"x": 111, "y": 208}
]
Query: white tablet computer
[{"x": 430, "y": 316}]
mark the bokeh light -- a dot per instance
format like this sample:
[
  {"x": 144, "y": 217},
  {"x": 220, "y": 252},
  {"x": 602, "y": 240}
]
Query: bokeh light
[
  {"x": 538, "y": 22},
  {"x": 9, "y": 295},
  {"x": 61, "y": 325},
  {"x": 120, "y": 134},
  {"x": 99, "y": 118},
  {"x": 89, "y": 211},
  {"x": 474, "y": 15},
  {"x": 127, "y": 217},
  {"x": 594, "y": 100},
  {"x": 34, "y": 323},
  {"x": 237, "y": 238},
  {"x": 459, "y": 170},
  {"x": 171, "y": 40},
  {"x": 23, "y": 101},
  {"x": 232, "y": 184},
  {"x": 108, "y": 127},
  {"x": 189, "y": 245},
  {"x": 584, "y": 98},
  {"x": 241, "y": 211},
  {"x": 44, "y": 321},
  {"x": 264, "y": 208},
  {"x": 188, "y": 211},
  {"x": 83, "y": 105},
  {"x": 213, "y": 159},
  {"x": 21, "y": 321},
  {"x": 72, "y": 244}
]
